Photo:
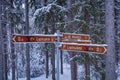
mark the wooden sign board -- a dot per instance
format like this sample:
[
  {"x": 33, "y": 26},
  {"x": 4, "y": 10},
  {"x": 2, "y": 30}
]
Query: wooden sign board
[
  {"x": 45, "y": 38},
  {"x": 34, "y": 38},
  {"x": 89, "y": 48},
  {"x": 76, "y": 36}
]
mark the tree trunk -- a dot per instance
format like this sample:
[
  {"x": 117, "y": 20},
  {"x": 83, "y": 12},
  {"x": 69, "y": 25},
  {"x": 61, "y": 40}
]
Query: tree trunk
[
  {"x": 27, "y": 45},
  {"x": 73, "y": 66},
  {"x": 4, "y": 32},
  {"x": 61, "y": 60},
  {"x": 53, "y": 62},
  {"x": 1, "y": 49},
  {"x": 87, "y": 68},
  {"x": 117, "y": 44},
  {"x": 53, "y": 54},
  {"x": 1, "y": 56},
  {"x": 110, "y": 40},
  {"x": 5, "y": 66},
  {"x": 12, "y": 45},
  {"x": 96, "y": 67},
  {"x": 47, "y": 61},
  {"x": 47, "y": 56}
]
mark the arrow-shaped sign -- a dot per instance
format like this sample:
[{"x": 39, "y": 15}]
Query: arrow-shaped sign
[
  {"x": 76, "y": 36},
  {"x": 89, "y": 48},
  {"x": 34, "y": 38}
]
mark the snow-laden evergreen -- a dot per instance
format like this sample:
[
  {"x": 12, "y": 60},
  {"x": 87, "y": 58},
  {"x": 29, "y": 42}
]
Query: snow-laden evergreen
[{"x": 43, "y": 16}]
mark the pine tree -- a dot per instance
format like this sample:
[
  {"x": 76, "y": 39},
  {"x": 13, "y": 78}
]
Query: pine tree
[{"x": 45, "y": 16}]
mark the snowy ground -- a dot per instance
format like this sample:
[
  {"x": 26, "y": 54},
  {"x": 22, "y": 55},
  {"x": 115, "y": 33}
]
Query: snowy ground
[{"x": 65, "y": 76}]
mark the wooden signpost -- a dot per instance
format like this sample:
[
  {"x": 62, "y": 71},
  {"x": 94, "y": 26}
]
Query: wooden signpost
[{"x": 68, "y": 41}]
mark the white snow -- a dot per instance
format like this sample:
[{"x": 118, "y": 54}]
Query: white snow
[{"x": 66, "y": 75}]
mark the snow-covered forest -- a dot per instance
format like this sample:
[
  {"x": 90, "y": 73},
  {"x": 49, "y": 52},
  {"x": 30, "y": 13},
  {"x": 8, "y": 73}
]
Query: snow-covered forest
[{"x": 39, "y": 60}]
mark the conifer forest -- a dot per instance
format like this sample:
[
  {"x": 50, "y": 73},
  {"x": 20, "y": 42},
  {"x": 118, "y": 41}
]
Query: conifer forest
[{"x": 59, "y": 39}]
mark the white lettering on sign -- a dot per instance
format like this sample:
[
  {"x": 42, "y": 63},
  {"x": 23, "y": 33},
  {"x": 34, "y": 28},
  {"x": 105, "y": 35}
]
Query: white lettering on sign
[
  {"x": 43, "y": 39},
  {"x": 76, "y": 37},
  {"x": 90, "y": 48},
  {"x": 74, "y": 48},
  {"x": 20, "y": 39},
  {"x": 97, "y": 49}
]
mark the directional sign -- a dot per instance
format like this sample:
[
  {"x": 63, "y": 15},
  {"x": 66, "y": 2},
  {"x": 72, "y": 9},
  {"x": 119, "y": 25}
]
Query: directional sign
[
  {"x": 76, "y": 36},
  {"x": 34, "y": 38},
  {"x": 46, "y": 38},
  {"x": 90, "y": 48}
]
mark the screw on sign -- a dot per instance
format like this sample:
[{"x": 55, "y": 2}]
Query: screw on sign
[{"x": 89, "y": 48}]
